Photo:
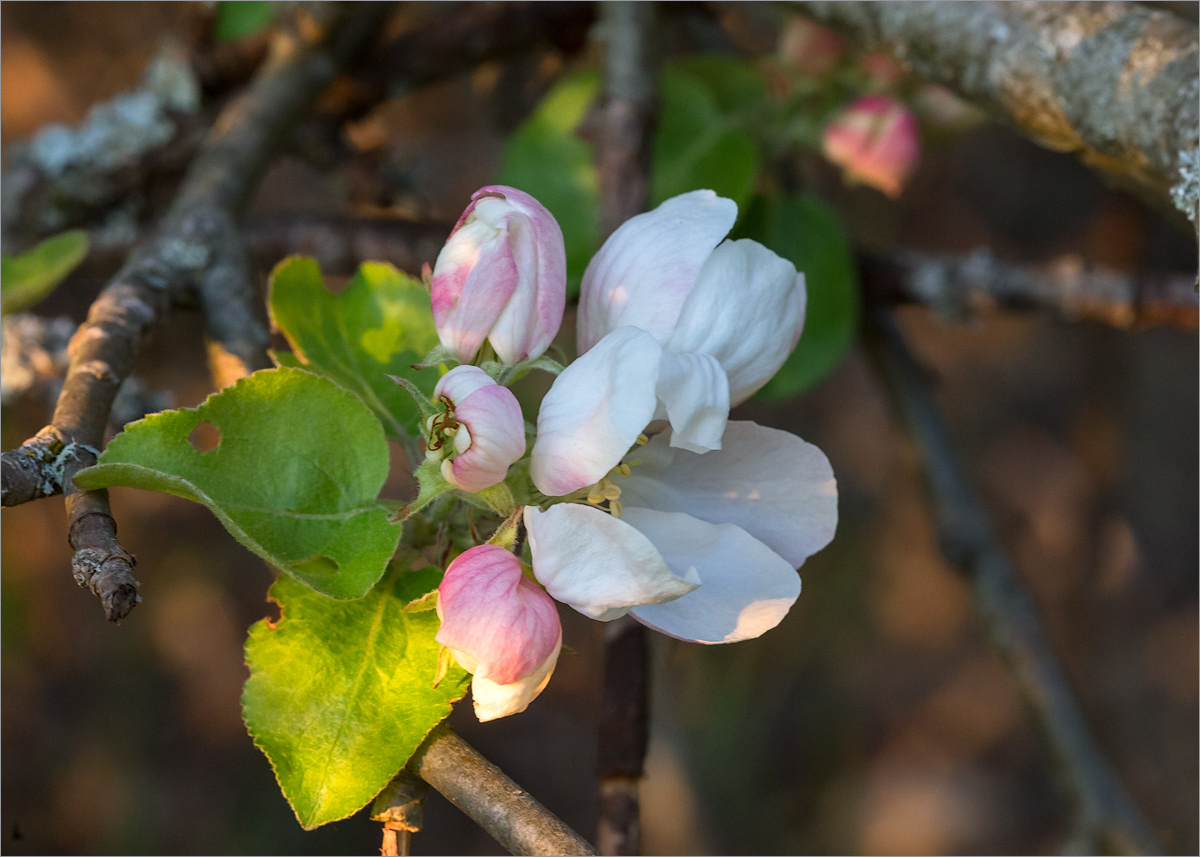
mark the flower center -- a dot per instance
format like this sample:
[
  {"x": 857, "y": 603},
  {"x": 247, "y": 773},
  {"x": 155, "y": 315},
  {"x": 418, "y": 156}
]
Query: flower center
[
  {"x": 606, "y": 494},
  {"x": 446, "y": 437}
]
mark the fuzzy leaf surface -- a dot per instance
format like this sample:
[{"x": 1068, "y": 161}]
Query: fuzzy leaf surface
[
  {"x": 294, "y": 477},
  {"x": 341, "y": 692},
  {"x": 379, "y": 325}
]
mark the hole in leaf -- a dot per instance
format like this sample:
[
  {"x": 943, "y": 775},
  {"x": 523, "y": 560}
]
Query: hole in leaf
[
  {"x": 317, "y": 566},
  {"x": 205, "y": 437}
]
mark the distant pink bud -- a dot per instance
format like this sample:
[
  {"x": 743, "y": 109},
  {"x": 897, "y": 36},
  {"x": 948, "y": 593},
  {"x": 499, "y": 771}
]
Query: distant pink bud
[
  {"x": 481, "y": 433},
  {"x": 500, "y": 626},
  {"x": 875, "y": 140},
  {"x": 883, "y": 70},
  {"x": 501, "y": 277},
  {"x": 809, "y": 48}
]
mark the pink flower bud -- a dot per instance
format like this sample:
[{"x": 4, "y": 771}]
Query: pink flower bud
[
  {"x": 500, "y": 626},
  {"x": 501, "y": 277},
  {"x": 481, "y": 432},
  {"x": 875, "y": 141},
  {"x": 809, "y": 48}
]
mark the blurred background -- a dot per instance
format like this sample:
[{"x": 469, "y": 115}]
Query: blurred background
[{"x": 876, "y": 719}]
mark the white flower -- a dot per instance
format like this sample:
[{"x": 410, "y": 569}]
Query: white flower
[
  {"x": 706, "y": 546},
  {"x": 500, "y": 626},
  {"x": 671, "y": 328}
]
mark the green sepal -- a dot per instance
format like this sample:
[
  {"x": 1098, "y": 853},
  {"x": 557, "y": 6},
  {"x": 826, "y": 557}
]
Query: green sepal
[
  {"x": 439, "y": 355},
  {"x": 432, "y": 484},
  {"x": 424, "y": 403},
  {"x": 499, "y": 499}
]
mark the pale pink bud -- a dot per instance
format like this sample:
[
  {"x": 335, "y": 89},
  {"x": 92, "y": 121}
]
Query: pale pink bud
[
  {"x": 809, "y": 48},
  {"x": 502, "y": 276},
  {"x": 500, "y": 626},
  {"x": 875, "y": 140},
  {"x": 481, "y": 433}
]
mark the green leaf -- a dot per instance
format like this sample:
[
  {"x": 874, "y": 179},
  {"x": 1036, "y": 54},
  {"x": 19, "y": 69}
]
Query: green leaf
[
  {"x": 806, "y": 231},
  {"x": 545, "y": 158},
  {"x": 341, "y": 693},
  {"x": 698, "y": 145},
  {"x": 379, "y": 325},
  {"x": 735, "y": 85},
  {"x": 294, "y": 476},
  {"x": 27, "y": 278},
  {"x": 236, "y": 19}
]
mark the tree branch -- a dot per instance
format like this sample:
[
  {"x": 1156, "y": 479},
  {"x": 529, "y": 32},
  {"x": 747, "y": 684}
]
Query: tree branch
[
  {"x": 1107, "y": 821},
  {"x": 186, "y": 256},
  {"x": 506, "y": 811},
  {"x": 959, "y": 286},
  {"x": 623, "y": 142},
  {"x": 1115, "y": 83}
]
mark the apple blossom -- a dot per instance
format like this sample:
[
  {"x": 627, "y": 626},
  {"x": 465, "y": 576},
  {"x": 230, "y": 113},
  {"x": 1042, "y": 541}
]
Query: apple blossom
[
  {"x": 674, "y": 324},
  {"x": 479, "y": 434},
  {"x": 875, "y": 141},
  {"x": 700, "y": 547},
  {"x": 501, "y": 277},
  {"x": 501, "y": 627}
]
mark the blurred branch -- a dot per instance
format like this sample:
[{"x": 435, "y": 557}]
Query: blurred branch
[
  {"x": 1116, "y": 83},
  {"x": 1107, "y": 821},
  {"x": 959, "y": 286},
  {"x": 450, "y": 45},
  {"x": 65, "y": 177},
  {"x": 189, "y": 255},
  {"x": 506, "y": 811},
  {"x": 338, "y": 242},
  {"x": 623, "y": 142}
]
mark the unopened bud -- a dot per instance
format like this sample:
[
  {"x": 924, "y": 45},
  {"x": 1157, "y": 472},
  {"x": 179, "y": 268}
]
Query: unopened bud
[
  {"x": 501, "y": 277},
  {"x": 875, "y": 141}
]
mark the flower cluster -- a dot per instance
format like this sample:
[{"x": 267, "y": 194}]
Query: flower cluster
[{"x": 651, "y": 501}]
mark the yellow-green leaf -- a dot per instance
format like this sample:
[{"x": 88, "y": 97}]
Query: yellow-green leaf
[{"x": 341, "y": 692}]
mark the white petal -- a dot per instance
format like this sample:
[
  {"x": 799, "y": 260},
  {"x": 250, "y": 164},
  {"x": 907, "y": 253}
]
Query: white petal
[
  {"x": 460, "y": 382},
  {"x": 695, "y": 392},
  {"x": 644, "y": 271},
  {"x": 594, "y": 412},
  {"x": 598, "y": 564},
  {"x": 494, "y": 700},
  {"x": 770, "y": 483},
  {"x": 746, "y": 587},
  {"x": 747, "y": 310}
]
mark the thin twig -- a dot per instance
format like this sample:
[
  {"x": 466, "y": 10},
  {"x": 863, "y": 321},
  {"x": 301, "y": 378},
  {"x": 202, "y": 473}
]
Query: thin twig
[
  {"x": 623, "y": 151},
  {"x": 1107, "y": 820},
  {"x": 185, "y": 256},
  {"x": 1116, "y": 83},
  {"x": 506, "y": 811},
  {"x": 960, "y": 286}
]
